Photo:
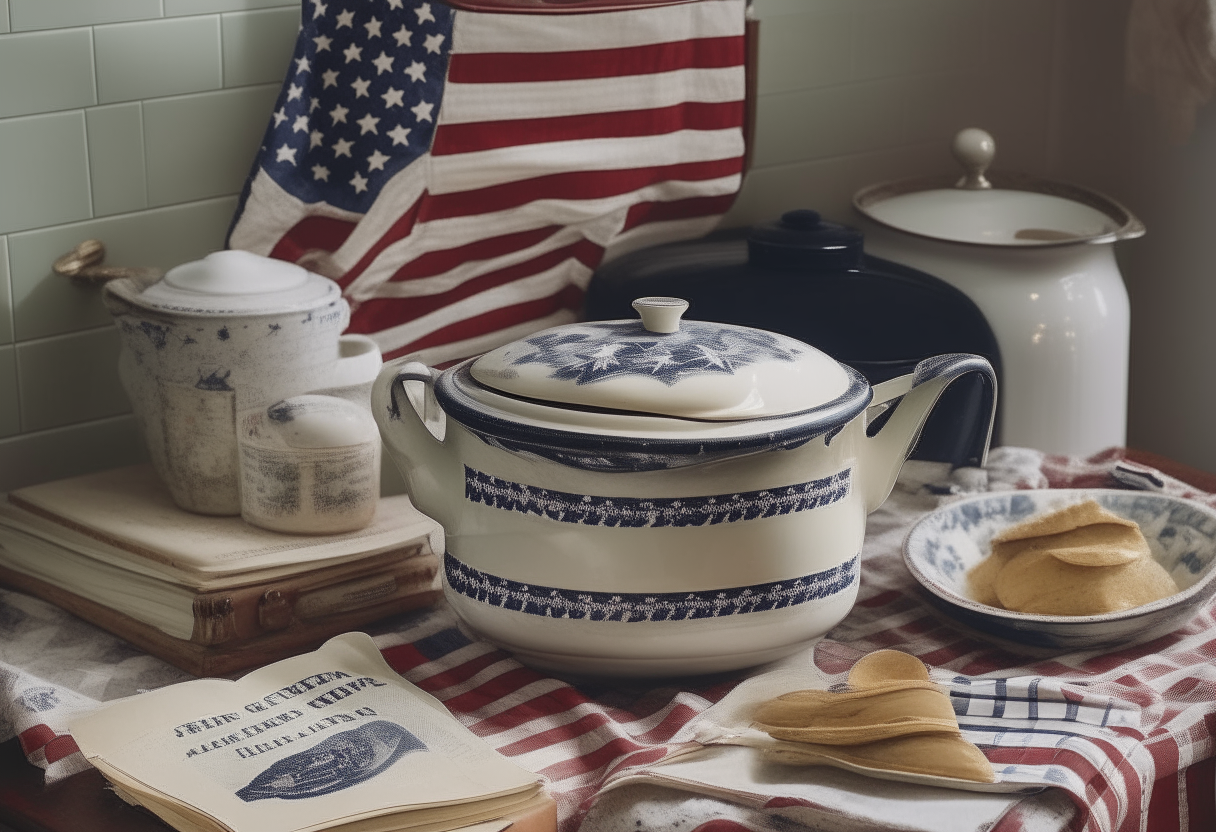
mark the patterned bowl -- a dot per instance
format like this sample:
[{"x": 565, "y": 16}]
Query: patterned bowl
[{"x": 1181, "y": 534}]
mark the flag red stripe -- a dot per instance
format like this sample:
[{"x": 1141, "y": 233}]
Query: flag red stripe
[
  {"x": 382, "y": 313},
  {"x": 487, "y": 135},
  {"x": 545, "y": 706},
  {"x": 1095, "y": 782},
  {"x": 60, "y": 747},
  {"x": 437, "y": 262},
  {"x": 680, "y": 209},
  {"x": 592, "y": 760},
  {"x": 461, "y": 673},
  {"x": 35, "y": 737},
  {"x": 557, "y": 735},
  {"x": 492, "y": 690},
  {"x": 400, "y": 229},
  {"x": 516, "y": 67},
  {"x": 575, "y": 185},
  {"x": 570, "y": 297},
  {"x": 404, "y": 658},
  {"x": 312, "y": 234}
]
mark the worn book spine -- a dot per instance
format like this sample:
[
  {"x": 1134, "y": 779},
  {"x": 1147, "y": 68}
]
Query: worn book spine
[
  {"x": 230, "y": 614},
  {"x": 272, "y": 606}
]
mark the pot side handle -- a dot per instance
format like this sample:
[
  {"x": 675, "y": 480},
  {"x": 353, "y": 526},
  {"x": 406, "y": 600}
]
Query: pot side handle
[
  {"x": 892, "y": 436},
  {"x": 413, "y": 427}
]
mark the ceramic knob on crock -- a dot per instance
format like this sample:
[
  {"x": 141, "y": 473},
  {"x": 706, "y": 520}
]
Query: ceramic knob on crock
[{"x": 661, "y": 314}]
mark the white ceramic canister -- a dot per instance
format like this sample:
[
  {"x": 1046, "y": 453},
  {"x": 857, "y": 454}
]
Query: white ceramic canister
[
  {"x": 309, "y": 465},
  {"x": 217, "y": 336},
  {"x": 1037, "y": 258},
  {"x": 654, "y": 497}
]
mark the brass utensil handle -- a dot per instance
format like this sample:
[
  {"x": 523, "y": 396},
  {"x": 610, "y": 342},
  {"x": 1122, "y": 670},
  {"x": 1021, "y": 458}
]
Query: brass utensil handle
[{"x": 84, "y": 263}]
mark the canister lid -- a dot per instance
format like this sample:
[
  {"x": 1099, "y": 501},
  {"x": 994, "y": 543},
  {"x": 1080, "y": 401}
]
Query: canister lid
[
  {"x": 994, "y": 209},
  {"x": 234, "y": 282},
  {"x": 662, "y": 365}
]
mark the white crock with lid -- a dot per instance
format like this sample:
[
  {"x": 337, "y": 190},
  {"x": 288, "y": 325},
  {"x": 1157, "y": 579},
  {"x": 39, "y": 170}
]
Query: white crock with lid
[
  {"x": 217, "y": 336},
  {"x": 599, "y": 518},
  {"x": 1036, "y": 257}
]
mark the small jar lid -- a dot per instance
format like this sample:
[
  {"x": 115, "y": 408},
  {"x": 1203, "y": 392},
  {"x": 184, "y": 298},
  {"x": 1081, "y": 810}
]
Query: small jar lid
[
  {"x": 993, "y": 209},
  {"x": 665, "y": 366},
  {"x": 234, "y": 283},
  {"x": 311, "y": 422}
]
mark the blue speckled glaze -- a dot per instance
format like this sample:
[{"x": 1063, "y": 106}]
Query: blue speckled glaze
[
  {"x": 653, "y": 512},
  {"x": 616, "y": 453},
  {"x": 1181, "y": 535},
  {"x": 587, "y": 353},
  {"x": 633, "y": 607}
]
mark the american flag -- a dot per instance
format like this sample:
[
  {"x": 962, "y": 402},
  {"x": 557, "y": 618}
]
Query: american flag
[{"x": 461, "y": 173}]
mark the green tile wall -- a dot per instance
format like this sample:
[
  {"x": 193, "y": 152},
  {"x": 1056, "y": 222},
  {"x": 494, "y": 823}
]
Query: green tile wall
[
  {"x": 135, "y": 122},
  {"x": 6, "y": 296},
  {"x": 53, "y": 14},
  {"x": 69, "y": 379},
  {"x": 155, "y": 58},
  {"x": 10, "y": 413},
  {"x": 55, "y": 71},
  {"x": 44, "y": 168},
  {"x": 116, "y": 158}
]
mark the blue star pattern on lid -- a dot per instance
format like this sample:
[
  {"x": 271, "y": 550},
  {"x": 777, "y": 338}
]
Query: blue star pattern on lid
[
  {"x": 361, "y": 98},
  {"x": 594, "y": 352}
]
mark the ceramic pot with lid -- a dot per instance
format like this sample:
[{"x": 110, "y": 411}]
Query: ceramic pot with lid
[
  {"x": 217, "y": 336},
  {"x": 1036, "y": 257},
  {"x": 653, "y": 497}
]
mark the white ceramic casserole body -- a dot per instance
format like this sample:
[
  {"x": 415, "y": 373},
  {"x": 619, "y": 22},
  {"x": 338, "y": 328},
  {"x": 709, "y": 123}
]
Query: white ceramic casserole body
[{"x": 597, "y": 542}]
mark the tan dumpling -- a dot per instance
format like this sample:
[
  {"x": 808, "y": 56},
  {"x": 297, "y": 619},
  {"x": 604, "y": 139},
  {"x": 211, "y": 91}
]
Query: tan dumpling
[
  {"x": 1102, "y": 544},
  {"x": 850, "y": 720},
  {"x": 1066, "y": 519},
  {"x": 981, "y": 578},
  {"x": 941, "y": 755},
  {"x": 1037, "y": 582}
]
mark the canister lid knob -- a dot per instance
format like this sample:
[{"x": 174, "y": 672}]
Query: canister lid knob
[
  {"x": 661, "y": 314},
  {"x": 974, "y": 149}
]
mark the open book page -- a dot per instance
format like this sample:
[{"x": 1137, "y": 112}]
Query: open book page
[
  {"x": 314, "y": 741},
  {"x": 124, "y": 516}
]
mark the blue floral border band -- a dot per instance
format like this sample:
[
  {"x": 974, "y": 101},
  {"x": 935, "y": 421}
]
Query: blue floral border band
[
  {"x": 653, "y": 512},
  {"x": 632, "y": 607}
]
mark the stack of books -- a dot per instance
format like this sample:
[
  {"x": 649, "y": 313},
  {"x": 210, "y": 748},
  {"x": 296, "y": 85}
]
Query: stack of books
[{"x": 210, "y": 595}]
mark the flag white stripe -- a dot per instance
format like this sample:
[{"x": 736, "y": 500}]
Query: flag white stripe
[
  {"x": 270, "y": 211},
  {"x": 470, "y": 269},
  {"x": 654, "y": 233},
  {"x": 502, "y": 166},
  {"x": 472, "y": 103},
  {"x": 397, "y": 196},
  {"x": 534, "y": 287},
  {"x": 496, "y": 33},
  {"x": 470, "y": 347},
  {"x": 597, "y": 220}
]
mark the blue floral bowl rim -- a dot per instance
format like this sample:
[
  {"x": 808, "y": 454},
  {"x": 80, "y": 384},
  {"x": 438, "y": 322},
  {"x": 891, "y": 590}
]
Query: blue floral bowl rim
[{"x": 1200, "y": 587}]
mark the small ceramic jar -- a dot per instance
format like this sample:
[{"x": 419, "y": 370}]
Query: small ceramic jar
[{"x": 309, "y": 465}]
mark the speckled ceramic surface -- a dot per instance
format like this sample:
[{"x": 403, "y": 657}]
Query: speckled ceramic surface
[{"x": 1181, "y": 534}]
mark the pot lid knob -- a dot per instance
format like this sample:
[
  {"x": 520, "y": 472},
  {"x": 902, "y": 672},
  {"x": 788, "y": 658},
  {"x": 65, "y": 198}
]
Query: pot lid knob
[
  {"x": 974, "y": 149},
  {"x": 661, "y": 314}
]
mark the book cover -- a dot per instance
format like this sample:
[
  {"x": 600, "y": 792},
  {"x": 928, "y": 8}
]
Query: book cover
[{"x": 330, "y": 739}]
